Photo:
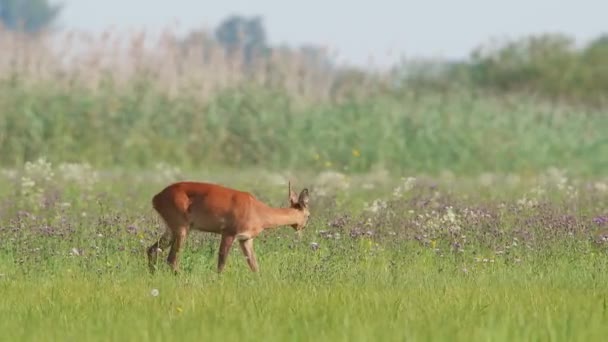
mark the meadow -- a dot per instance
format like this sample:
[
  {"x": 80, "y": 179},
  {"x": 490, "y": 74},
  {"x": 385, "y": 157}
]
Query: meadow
[
  {"x": 491, "y": 258},
  {"x": 460, "y": 215}
]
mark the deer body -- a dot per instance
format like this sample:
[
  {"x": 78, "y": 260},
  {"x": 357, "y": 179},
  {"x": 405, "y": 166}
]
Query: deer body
[{"x": 234, "y": 214}]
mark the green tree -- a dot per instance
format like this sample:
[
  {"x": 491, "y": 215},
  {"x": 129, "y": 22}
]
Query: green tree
[
  {"x": 28, "y": 15},
  {"x": 239, "y": 34},
  {"x": 533, "y": 62},
  {"x": 593, "y": 74}
]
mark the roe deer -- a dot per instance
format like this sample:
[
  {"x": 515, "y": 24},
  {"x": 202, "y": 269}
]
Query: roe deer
[{"x": 213, "y": 208}]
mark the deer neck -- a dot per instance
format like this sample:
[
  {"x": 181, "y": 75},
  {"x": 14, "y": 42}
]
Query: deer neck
[{"x": 271, "y": 217}]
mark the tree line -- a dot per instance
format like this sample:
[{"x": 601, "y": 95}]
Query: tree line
[{"x": 549, "y": 65}]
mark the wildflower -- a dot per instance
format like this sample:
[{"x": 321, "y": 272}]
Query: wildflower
[
  {"x": 9, "y": 173},
  {"x": 450, "y": 216},
  {"x": 602, "y": 187},
  {"x": 331, "y": 181},
  {"x": 600, "y": 220},
  {"x": 407, "y": 185},
  {"x": 167, "y": 172},
  {"x": 81, "y": 174},
  {"x": 375, "y": 206},
  {"x": 356, "y": 153},
  {"x": 154, "y": 292},
  {"x": 179, "y": 309}
]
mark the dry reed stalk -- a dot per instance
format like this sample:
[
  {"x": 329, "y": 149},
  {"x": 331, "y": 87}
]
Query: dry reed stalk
[{"x": 172, "y": 65}]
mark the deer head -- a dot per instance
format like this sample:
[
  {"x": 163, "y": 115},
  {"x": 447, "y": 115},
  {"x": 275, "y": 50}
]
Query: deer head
[{"x": 299, "y": 203}]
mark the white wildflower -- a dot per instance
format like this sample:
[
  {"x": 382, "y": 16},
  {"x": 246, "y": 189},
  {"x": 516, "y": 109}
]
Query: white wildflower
[
  {"x": 375, "y": 206},
  {"x": 81, "y": 174},
  {"x": 166, "y": 172},
  {"x": 331, "y": 181},
  {"x": 601, "y": 187},
  {"x": 406, "y": 185}
]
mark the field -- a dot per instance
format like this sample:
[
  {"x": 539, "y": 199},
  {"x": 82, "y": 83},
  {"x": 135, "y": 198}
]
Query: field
[
  {"x": 436, "y": 214},
  {"x": 491, "y": 258}
]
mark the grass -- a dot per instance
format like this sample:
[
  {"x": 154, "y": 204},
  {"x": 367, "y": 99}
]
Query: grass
[
  {"x": 421, "y": 299},
  {"x": 501, "y": 235},
  {"x": 463, "y": 259},
  {"x": 255, "y": 127}
]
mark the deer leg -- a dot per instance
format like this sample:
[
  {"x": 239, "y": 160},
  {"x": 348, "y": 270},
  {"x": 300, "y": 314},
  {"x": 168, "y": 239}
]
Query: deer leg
[
  {"x": 162, "y": 243},
  {"x": 225, "y": 246},
  {"x": 247, "y": 248},
  {"x": 178, "y": 241}
]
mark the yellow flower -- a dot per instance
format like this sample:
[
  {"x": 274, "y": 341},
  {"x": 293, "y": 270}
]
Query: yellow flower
[
  {"x": 179, "y": 309},
  {"x": 356, "y": 153}
]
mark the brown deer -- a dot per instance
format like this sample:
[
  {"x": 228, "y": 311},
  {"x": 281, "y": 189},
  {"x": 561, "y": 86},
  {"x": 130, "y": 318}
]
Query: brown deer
[{"x": 217, "y": 209}]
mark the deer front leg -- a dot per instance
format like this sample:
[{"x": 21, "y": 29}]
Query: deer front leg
[
  {"x": 247, "y": 248},
  {"x": 225, "y": 246}
]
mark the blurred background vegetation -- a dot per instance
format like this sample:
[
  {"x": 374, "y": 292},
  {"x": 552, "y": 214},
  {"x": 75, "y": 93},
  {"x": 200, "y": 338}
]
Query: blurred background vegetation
[{"x": 227, "y": 98}]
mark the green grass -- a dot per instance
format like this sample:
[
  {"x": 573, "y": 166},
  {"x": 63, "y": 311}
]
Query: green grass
[
  {"x": 249, "y": 127},
  {"x": 295, "y": 298},
  {"x": 520, "y": 271}
]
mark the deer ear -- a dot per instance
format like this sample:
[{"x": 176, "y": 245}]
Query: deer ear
[
  {"x": 293, "y": 198},
  {"x": 303, "y": 199}
]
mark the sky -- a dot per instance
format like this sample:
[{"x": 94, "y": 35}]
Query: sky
[{"x": 358, "y": 29}]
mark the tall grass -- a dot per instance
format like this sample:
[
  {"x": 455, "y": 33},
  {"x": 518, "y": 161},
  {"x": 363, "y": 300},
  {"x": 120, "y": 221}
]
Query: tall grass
[{"x": 133, "y": 103}]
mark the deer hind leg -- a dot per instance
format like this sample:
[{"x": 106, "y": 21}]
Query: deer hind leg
[
  {"x": 247, "y": 248},
  {"x": 176, "y": 221},
  {"x": 179, "y": 237},
  {"x": 225, "y": 246},
  {"x": 165, "y": 240}
]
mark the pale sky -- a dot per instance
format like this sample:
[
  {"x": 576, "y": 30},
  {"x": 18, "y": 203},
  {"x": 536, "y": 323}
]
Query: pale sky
[{"x": 359, "y": 28}]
